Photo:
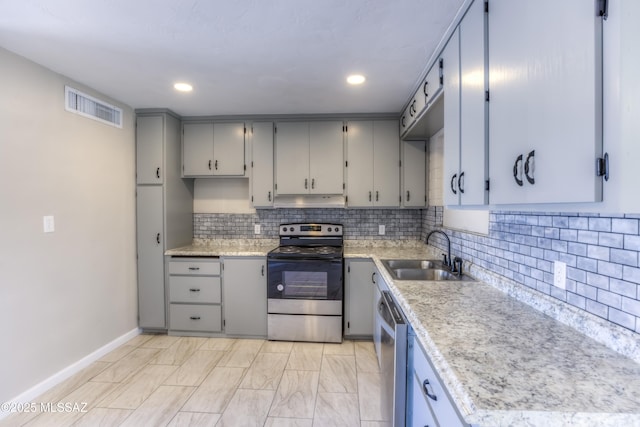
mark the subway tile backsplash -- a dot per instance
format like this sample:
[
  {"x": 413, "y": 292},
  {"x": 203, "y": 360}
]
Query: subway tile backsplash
[
  {"x": 601, "y": 253},
  {"x": 359, "y": 224}
]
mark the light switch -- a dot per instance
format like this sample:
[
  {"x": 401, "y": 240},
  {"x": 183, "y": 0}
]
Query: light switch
[
  {"x": 48, "y": 224},
  {"x": 381, "y": 229}
]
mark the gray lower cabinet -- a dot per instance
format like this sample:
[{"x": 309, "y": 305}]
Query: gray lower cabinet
[
  {"x": 359, "y": 288},
  {"x": 195, "y": 295},
  {"x": 429, "y": 402},
  {"x": 245, "y": 296},
  {"x": 149, "y": 223}
]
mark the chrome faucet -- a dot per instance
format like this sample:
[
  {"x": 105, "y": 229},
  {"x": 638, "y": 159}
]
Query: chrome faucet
[{"x": 447, "y": 257}]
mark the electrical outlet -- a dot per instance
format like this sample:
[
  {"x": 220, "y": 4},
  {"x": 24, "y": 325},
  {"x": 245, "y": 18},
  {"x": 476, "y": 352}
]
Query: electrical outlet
[
  {"x": 256, "y": 228},
  {"x": 560, "y": 274},
  {"x": 381, "y": 230},
  {"x": 48, "y": 224}
]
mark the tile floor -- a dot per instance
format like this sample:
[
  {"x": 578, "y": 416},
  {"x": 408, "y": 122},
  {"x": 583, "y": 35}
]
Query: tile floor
[{"x": 159, "y": 380}]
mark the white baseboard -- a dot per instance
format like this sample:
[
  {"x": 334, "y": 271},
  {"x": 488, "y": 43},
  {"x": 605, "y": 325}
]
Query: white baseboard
[{"x": 57, "y": 378}]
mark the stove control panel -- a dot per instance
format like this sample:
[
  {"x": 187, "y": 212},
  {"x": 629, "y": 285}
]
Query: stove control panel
[{"x": 311, "y": 230}]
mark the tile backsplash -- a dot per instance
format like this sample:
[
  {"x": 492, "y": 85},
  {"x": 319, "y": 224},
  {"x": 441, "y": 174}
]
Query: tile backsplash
[
  {"x": 359, "y": 224},
  {"x": 601, "y": 253}
]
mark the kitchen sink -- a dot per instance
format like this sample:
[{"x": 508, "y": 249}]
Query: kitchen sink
[{"x": 427, "y": 270}]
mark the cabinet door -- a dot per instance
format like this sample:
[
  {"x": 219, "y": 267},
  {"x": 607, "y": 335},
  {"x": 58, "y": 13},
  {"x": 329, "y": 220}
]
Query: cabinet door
[
  {"x": 149, "y": 150},
  {"x": 386, "y": 163},
  {"x": 262, "y": 164},
  {"x": 451, "y": 83},
  {"x": 245, "y": 296},
  {"x": 359, "y": 286},
  {"x": 197, "y": 149},
  {"x": 545, "y": 101},
  {"x": 473, "y": 148},
  {"x": 414, "y": 174},
  {"x": 326, "y": 157},
  {"x": 150, "y": 239},
  {"x": 360, "y": 164},
  {"x": 292, "y": 158},
  {"x": 228, "y": 149}
]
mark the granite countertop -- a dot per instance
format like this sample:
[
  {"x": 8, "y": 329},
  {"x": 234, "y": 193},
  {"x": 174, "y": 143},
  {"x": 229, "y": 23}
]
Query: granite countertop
[{"x": 504, "y": 362}]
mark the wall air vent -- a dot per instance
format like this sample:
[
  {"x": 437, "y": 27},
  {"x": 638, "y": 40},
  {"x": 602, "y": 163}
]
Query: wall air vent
[{"x": 93, "y": 108}]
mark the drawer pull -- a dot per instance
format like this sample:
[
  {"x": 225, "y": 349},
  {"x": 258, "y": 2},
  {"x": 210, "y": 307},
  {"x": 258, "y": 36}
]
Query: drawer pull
[
  {"x": 194, "y": 290},
  {"x": 432, "y": 396},
  {"x": 194, "y": 268},
  {"x": 194, "y": 317}
]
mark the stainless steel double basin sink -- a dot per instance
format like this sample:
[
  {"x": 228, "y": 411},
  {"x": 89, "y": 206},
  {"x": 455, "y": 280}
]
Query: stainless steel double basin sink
[{"x": 416, "y": 269}]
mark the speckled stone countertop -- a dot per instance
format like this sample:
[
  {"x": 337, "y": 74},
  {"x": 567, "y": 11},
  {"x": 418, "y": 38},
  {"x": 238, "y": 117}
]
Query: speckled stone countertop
[{"x": 504, "y": 362}]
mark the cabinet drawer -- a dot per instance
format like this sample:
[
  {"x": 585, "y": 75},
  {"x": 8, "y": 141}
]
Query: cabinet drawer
[
  {"x": 194, "y": 267},
  {"x": 192, "y": 317},
  {"x": 443, "y": 409},
  {"x": 199, "y": 289}
]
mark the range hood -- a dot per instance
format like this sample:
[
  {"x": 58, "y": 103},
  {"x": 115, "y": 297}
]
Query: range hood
[{"x": 309, "y": 201}]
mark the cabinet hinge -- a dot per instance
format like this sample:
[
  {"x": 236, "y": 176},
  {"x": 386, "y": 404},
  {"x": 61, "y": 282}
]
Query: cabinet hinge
[
  {"x": 346, "y": 199},
  {"x": 486, "y": 185},
  {"x": 440, "y": 71},
  {"x": 425, "y": 198},
  {"x": 245, "y": 131},
  {"x": 400, "y": 198},
  {"x": 486, "y": 96},
  {"x": 348, "y": 325},
  {"x": 251, "y": 199},
  {"x": 346, "y": 164},
  {"x": 603, "y": 9},
  {"x": 224, "y": 322},
  {"x": 602, "y": 166},
  {"x": 251, "y": 163},
  {"x": 486, "y": 6},
  {"x": 343, "y": 186},
  {"x": 349, "y": 269},
  {"x": 276, "y": 186},
  {"x": 275, "y": 129},
  {"x": 245, "y": 168}
]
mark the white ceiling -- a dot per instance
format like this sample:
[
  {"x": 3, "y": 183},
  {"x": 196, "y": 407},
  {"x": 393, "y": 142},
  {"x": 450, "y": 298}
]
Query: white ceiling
[{"x": 241, "y": 56}]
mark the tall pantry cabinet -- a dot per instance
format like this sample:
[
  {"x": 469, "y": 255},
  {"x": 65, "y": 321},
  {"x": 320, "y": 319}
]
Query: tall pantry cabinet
[{"x": 164, "y": 209}]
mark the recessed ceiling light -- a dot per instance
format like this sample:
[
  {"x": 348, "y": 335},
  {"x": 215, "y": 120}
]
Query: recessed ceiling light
[
  {"x": 356, "y": 79},
  {"x": 183, "y": 87}
]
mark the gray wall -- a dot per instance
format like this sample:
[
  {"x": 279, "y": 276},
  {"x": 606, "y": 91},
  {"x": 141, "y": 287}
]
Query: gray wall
[
  {"x": 63, "y": 294},
  {"x": 602, "y": 253}
]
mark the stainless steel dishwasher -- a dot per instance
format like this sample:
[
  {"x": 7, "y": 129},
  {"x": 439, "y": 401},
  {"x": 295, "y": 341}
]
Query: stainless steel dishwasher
[{"x": 393, "y": 358}]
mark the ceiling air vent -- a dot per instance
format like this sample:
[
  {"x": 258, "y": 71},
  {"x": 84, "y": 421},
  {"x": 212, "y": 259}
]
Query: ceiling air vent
[{"x": 93, "y": 108}]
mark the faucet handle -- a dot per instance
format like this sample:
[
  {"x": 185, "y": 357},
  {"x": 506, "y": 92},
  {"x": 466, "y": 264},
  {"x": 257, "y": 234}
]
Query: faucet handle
[{"x": 457, "y": 265}]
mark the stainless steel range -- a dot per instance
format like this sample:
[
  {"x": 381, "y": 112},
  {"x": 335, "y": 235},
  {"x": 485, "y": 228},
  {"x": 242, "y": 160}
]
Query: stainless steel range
[{"x": 305, "y": 284}]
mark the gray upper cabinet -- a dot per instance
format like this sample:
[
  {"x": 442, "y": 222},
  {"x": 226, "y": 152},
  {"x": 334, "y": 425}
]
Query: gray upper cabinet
[
  {"x": 545, "y": 118},
  {"x": 245, "y": 296},
  {"x": 164, "y": 210},
  {"x": 262, "y": 164},
  {"x": 149, "y": 164},
  {"x": 373, "y": 163},
  {"x": 309, "y": 158},
  {"x": 414, "y": 175},
  {"x": 213, "y": 149},
  {"x": 465, "y": 148}
]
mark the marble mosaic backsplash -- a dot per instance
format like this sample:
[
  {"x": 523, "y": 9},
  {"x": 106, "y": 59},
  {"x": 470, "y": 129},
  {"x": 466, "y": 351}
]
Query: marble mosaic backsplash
[
  {"x": 359, "y": 224},
  {"x": 601, "y": 253}
]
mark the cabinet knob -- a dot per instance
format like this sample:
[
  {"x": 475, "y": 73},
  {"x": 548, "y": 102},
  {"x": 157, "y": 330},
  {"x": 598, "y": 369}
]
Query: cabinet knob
[
  {"x": 216, "y": 165},
  {"x": 369, "y": 195},
  {"x": 313, "y": 183},
  {"x": 158, "y": 238},
  {"x": 269, "y": 196},
  {"x": 194, "y": 317},
  {"x": 158, "y": 173},
  {"x": 377, "y": 196},
  {"x": 461, "y": 183},
  {"x": 194, "y": 268},
  {"x": 453, "y": 188},
  {"x": 408, "y": 196},
  {"x": 194, "y": 290},
  {"x": 425, "y": 89},
  {"x": 209, "y": 164},
  {"x": 306, "y": 181},
  {"x": 262, "y": 270},
  {"x": 373, "y": 277}
]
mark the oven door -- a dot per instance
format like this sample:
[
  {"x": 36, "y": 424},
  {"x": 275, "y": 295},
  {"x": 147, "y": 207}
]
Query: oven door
[{"x": 304, "y": 279}]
